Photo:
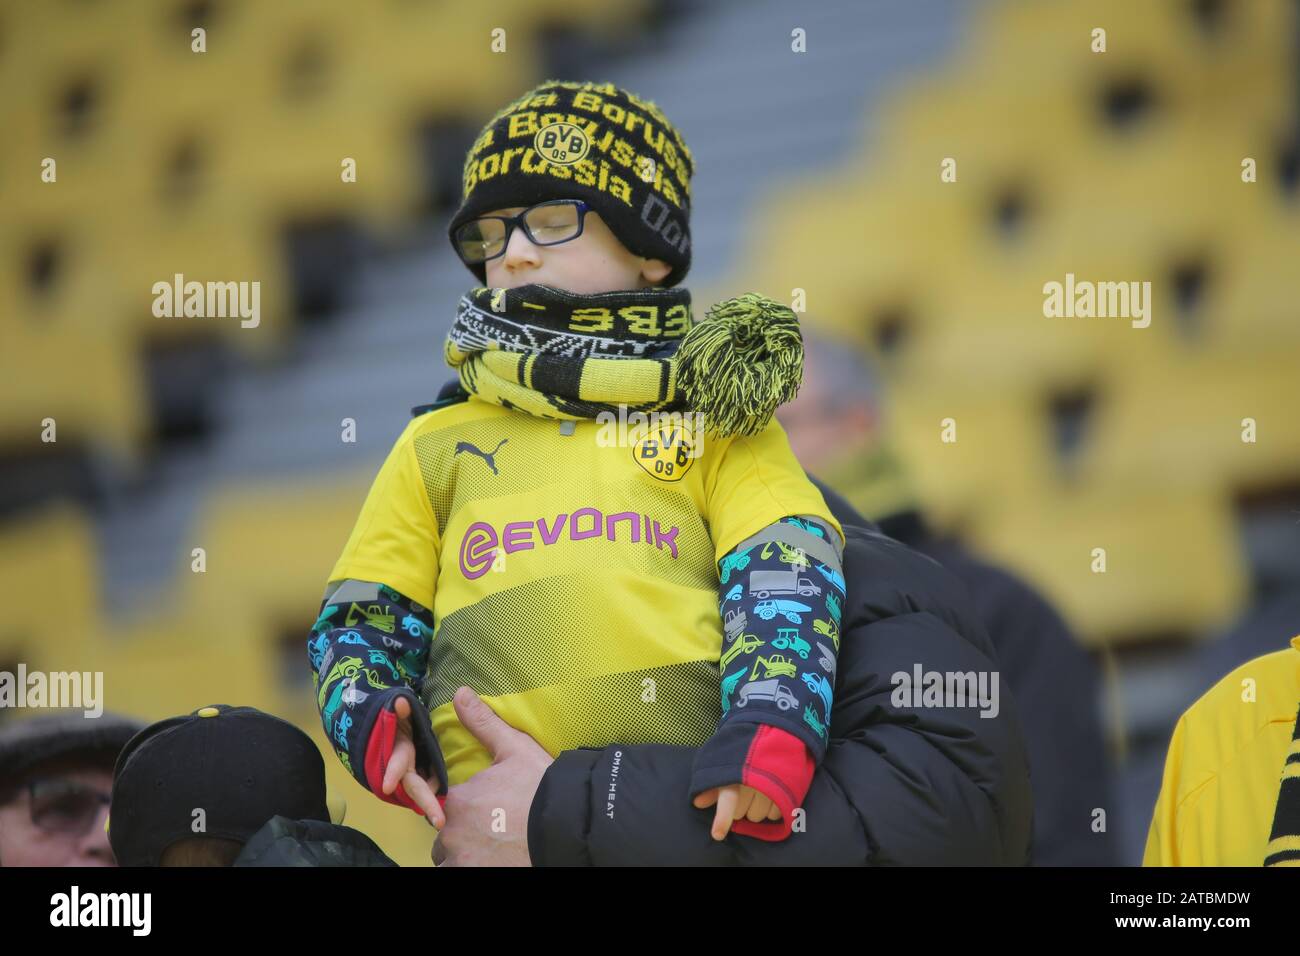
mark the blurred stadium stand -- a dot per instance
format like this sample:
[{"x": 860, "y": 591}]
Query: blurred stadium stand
[{"x": 1072, "y": 433}]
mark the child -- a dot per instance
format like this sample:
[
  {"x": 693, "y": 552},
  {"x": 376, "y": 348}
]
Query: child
[{"x": 665, "y": 583}]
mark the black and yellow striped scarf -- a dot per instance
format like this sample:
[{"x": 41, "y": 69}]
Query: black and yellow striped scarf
[
  {"x": 1284, "y": 839},
  {"x": 558, "y": 354}
]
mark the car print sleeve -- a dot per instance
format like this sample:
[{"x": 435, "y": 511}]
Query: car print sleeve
[
  {"x": 369, "y": 647},
  {"x": 782, "y": 592}
]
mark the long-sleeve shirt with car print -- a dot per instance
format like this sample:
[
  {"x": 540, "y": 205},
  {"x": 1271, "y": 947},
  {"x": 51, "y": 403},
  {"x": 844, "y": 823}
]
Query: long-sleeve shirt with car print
[
  {"x": 782, "y": 593},
  {"x": 368, "y": 647}
]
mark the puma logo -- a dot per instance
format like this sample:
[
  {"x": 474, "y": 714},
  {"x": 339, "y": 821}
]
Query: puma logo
[{"x": 487, "y": 456}]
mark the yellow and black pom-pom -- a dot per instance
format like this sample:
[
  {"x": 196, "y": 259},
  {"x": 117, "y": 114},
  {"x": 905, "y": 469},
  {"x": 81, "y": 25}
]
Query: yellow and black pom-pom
[{"x": 741, "y": 363}]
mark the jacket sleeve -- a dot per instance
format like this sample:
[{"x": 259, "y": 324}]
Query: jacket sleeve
[
  {"x": 777, "y": 666},
  {"x": 370, "y": 646},
  {"x": 901, "y": 782}
]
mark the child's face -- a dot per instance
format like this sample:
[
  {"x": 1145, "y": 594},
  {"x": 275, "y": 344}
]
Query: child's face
[{"x": 594, "y": 262}]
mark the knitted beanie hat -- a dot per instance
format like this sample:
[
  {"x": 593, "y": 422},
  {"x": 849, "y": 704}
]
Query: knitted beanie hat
[{"x": 589, "y": 141}]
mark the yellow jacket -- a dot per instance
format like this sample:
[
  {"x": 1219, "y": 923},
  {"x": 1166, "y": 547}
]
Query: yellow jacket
[{"x": 1224, "y": 767}]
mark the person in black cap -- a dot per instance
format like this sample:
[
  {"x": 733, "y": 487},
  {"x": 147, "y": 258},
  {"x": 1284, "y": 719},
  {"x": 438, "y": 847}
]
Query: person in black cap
[
  {"x": 55, "y": 776},
  {"x": 228, "y": 786}
]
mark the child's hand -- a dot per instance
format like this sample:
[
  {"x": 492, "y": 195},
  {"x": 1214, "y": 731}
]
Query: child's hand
[
  {"x": 401, "y": 768},
  {"x": 736, "y": 801}
]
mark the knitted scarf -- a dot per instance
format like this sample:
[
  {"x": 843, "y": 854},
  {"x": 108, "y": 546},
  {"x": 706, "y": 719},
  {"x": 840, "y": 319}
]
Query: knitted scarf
[
  {"x": 558, "y": 354},
  {"x": 1284, "y": 839}
]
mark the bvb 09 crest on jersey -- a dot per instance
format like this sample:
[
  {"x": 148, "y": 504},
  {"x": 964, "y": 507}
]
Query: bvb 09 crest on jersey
[{"x": 667, "y": 451}]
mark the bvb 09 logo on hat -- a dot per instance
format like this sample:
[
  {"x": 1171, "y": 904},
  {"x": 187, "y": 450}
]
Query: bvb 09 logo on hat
[{"x": 561, "y": 143}]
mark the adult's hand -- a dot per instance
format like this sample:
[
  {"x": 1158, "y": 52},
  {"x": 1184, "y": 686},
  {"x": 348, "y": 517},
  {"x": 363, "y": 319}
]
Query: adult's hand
[{"x": 487, "y": 815}]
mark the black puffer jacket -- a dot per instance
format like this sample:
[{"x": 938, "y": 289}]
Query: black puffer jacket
[{"x": 899, "y": 785}]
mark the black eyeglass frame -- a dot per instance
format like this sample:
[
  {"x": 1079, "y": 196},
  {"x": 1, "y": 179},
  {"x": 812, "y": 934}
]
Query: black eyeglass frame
[
  {"x": 101, "y": 800},
  {"x": 518, "y": 220}
]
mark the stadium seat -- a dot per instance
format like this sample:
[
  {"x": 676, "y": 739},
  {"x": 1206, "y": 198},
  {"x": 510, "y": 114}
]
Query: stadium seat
[
  {"x": 1181, "y": 422},
  {"x": 1170, "y": 567},
  {"x": 1253, "y": 296},
  {"x": 52, "y": 584},
  {"x": 273, "y": 545},
  {"x": 1002, "y": 448}
]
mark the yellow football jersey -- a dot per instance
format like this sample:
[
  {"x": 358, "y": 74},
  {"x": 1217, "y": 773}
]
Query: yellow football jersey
[{"x": 573, "y": 578}]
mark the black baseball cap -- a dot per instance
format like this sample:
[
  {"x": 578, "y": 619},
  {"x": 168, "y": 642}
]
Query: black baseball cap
[
  {"x": 239, "y": 765},
  {"x": 29, "y": 743}
]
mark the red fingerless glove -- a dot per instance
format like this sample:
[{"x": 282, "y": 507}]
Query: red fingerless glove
[
  {"x": 379, "y": 750},
  {"x": 779, "y": 766}
]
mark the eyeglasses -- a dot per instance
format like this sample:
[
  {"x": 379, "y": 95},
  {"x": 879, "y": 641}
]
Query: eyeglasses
[
  {"x": 61, "y": 806},
  {"x": 546, "y": 224}
]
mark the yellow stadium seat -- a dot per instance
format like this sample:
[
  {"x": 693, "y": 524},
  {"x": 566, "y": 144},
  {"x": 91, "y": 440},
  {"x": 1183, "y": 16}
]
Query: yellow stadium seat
[
  {"x": 1190, "y": 63},
  {"x": 65, "y": 357},
  {"x": 51, "y": 589},
  {"x": 70, "y": 62},
  {"x": 214, "y": 244},
  {"x": 1183, "y": 422},
  {"x": 273, "y": 546},
  {"x": 1002, "y": 448},
  {"x": 805, "y": 236},
  {"x": 1253, "y": 296},
  {"x": 998, "y": 132},
  {"x": 168, "y": 660},
  {"x": 1169, "y": 564},
  {"x": 437, "y": 62},
  {"x": 1175, "y": 192},
  {"x": 87, "y": 381}
]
